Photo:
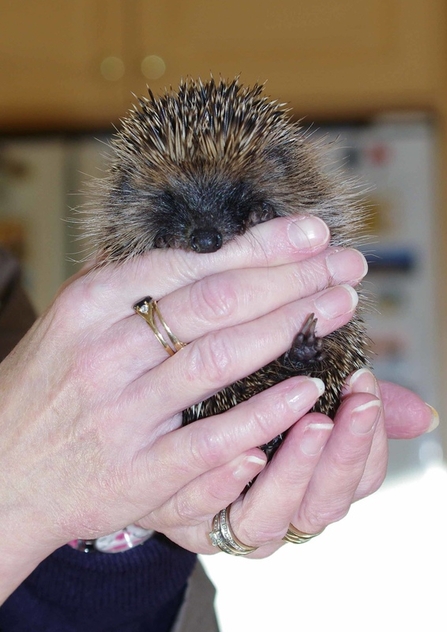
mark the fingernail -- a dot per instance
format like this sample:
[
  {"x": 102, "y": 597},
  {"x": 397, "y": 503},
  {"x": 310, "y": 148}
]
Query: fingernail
[
  {"x": 434, "y": 419},
  {"x": 315, "y": 438},
  {"x": 308, "y": 232},
  {"x": 347, "y": 266},
  {"x": 249, "y": 467},
  {"x": 299, "y": 395},
  {"x": 363, "y": 381},
  {"x": 337, "y": 301},
  {"x": 364, "y": 417}
]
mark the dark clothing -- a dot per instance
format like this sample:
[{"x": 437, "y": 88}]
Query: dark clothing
[
  {"x": 140, "y": 590},
  {"x": 155, "y": 587}
]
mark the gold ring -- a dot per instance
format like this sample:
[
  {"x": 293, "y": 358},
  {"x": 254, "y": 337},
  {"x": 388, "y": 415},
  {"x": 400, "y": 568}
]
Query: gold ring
[
  {"x": 148, "y": 309},
  {"x": 295, "y": 536},
  {"x": 222, "y": 535}
]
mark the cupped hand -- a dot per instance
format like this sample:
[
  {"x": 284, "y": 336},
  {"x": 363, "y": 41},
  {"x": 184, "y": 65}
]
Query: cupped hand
[
  {"x": 91, "y": 403},
  {"x": 320, "y": 469},
  {"x": 89, "y": 397}
]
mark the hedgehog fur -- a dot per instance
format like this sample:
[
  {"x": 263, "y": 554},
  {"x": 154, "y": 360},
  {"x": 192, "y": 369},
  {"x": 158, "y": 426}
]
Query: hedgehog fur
[{"x": 193, "y": 169}]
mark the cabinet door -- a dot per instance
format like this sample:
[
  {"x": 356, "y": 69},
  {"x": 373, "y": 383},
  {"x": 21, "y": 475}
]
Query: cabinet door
[
  {"x": 319, "y": 54},
  {"x": 53, "y": 58}
]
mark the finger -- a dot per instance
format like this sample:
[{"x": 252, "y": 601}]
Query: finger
[
  {"x": 197, "y": 502},
  {"x": 219, "y": 359},
  {"x": 276, "y": 242},
  {"x": 324, "y": 491},
  {"x": 231, "y": 298},
  {"x": 363, "y": 381},
  {"x": 263, "y": 515},
  {"x": 187, "y": 453},
  {"x": 406, "y": 414},
  {"x": 342, "y": 464},
  {"x": 376, "y": 463}
]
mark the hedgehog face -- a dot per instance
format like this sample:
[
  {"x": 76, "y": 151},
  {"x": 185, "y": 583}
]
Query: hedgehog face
[
  {"x": 197, "y": 206},
  {"x": 196, "y": 168},
  {"x": 202, "y": 216}
]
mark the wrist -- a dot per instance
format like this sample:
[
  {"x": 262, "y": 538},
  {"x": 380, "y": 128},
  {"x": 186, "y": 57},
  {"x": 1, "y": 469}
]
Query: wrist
[
  {"x": 21, "y": 551},
  {"x": 17, "y": 563}
]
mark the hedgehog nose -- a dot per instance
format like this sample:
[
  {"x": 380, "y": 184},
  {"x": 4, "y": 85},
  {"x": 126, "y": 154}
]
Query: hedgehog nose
[{"x": 205, "y": 240}]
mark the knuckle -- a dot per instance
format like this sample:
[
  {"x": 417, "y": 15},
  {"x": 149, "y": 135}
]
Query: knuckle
[
  {"x": 255, "y": 532},
  {"x": 315, "y": 518},
  {"x": 184, "y": 510},
  {"x": 260, "y": 417},
  {"x": 312, "y": 275},
  {"x": 223, "y": 492},
  {"x": 76, "y": 303},
  {"x": 214, "y": 299},
  {"x": 370, "y": 484},
  {"x": 349, "y": 460},
  {"x": 205, "y": 448},
  {"x": 211, "y": 360},
  {"x": 64, "y": 306},
  {"x": 258, "y": 535}
]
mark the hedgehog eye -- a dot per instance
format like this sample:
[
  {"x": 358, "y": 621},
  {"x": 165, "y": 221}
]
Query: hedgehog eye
[{"x": 261, "y": 213}]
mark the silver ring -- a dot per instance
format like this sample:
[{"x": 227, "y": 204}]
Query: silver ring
[
  {"x": 295, "y": 536},
  {"x": 148, "y": 309},
  {"x": 223, "y": 537}
]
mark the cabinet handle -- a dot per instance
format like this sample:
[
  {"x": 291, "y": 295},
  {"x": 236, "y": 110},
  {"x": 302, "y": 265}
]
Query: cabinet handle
[
  {"x": 153, "y": 67},
  {"x": 112, "y": 68}
]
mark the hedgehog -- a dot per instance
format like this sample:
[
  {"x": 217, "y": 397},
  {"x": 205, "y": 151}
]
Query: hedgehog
[{"x": 199, "y": 166}]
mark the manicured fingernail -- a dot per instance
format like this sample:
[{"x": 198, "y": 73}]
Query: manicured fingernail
[
  {"x": 363, "y": 381},
  {"x": 337, "y": 301},
  {"x": 315, "y": 437},
  {"x": 308, "y": 232},
  {"x": 364, "y": 417},
  {"x": 347, "y": 266},
  {"x": 249, "y": 467},
  {"x": 434, "y": 419},
  {"x": 299, "y": 395}
]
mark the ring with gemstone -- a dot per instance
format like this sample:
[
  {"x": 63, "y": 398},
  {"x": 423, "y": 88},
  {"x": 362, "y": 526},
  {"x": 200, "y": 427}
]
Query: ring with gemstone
[{"x": 148, "y": 309}]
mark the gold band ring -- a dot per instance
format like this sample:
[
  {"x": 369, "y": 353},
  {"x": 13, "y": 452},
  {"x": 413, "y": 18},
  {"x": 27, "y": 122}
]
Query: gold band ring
[
  {"x": 148, "y": 309},
  {"x": 222, "y": 535},
  {"x": 295, "y": 536}
]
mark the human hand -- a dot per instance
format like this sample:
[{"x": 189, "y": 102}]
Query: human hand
[
  {"x": 319, "y": 471},
  {"x": 89, "y": 398},
  {"x": 406, "y": 415}
]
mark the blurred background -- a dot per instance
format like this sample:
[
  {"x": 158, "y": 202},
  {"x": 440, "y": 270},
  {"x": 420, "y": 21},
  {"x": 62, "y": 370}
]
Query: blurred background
[{"x": 372, "y": 74}]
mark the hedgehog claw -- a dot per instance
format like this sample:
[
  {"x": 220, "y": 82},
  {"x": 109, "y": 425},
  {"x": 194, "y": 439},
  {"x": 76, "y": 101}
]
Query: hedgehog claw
[
  {"x": 270, "y": 448},
  {"x": 306, "y": 348}
]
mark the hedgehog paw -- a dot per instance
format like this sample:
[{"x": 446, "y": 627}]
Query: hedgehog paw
[{"x": 306, "y": 348}]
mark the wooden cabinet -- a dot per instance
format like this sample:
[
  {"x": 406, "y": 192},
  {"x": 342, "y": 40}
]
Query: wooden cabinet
[
  {"x": 77, "y": 63},
  {"x": 50, "y": 62},
  {"x": 323, "y": 57}
]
